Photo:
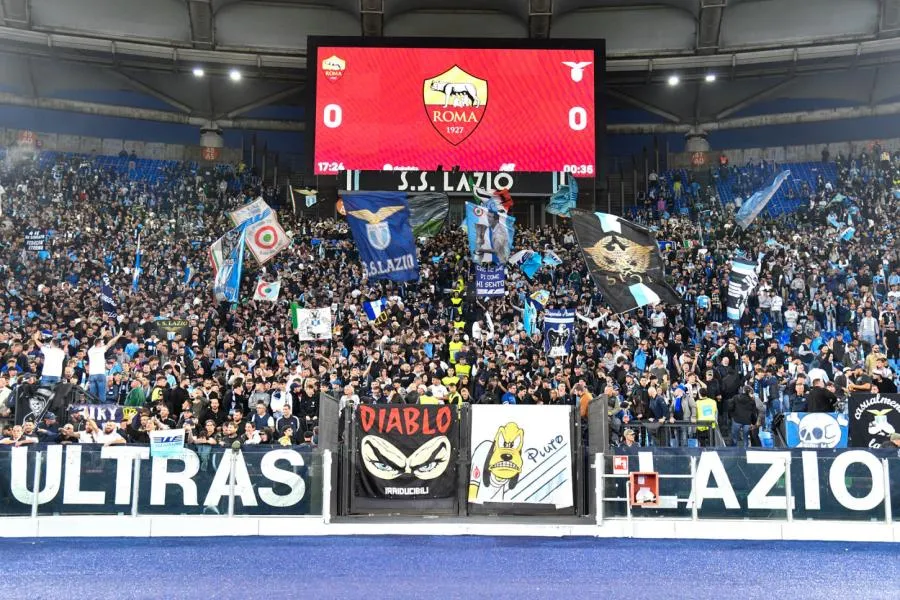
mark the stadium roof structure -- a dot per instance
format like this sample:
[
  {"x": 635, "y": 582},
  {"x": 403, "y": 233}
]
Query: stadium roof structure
[{"x": 834, "y": 58}]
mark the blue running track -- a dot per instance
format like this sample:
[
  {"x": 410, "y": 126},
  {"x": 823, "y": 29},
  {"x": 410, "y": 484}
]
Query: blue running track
[{"x": 435, "y": 568}]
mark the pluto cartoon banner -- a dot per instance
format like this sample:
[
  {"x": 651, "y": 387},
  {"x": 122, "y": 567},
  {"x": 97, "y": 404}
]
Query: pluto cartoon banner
[
  {"x": 521, "y": 455},
  {"x": 406, "y": 452}
]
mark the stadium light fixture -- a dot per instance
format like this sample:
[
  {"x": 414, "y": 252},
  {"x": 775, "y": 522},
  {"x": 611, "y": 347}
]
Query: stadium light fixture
[
  {"x": 674, "y": 80},
  {"x": 199, "y": 72},
  {"x": 234, "y": 75},
  {"x": 710, "y": 77}
]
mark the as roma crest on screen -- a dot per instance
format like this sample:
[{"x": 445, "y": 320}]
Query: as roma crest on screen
[
  {"x": 333, "y": 67},
  {"x": 454, "y": 103}
]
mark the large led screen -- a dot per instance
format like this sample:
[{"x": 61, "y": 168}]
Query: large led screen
[{"x": 407, "y": 107}]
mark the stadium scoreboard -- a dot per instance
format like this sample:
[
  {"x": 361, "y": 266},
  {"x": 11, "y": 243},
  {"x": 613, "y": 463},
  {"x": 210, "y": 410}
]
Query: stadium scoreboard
[{"x": 480, "y": 105}]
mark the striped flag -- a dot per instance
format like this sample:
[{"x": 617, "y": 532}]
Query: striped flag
[{"x": 376, "y": 310}]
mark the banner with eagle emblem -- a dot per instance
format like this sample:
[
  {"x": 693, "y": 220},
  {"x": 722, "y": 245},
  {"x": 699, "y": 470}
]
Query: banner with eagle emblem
[
  {"x": 624, "y": 261},
  {"x": 381, "y": 228},
  {"x": 559, "y": 331}
]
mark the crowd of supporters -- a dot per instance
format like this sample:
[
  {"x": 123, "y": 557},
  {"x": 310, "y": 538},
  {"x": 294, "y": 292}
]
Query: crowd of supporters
[{"x": 822, "y": 323}]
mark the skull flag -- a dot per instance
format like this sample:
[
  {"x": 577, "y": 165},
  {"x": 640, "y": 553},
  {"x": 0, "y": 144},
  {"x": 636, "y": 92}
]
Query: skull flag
[
  {"x": 624, "y": 261},
  {"x": 873, "y": 418},
  {"x": 406, "y": 452}
]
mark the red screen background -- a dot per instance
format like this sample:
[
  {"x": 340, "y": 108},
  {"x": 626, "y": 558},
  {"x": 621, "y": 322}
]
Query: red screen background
[{"x": 525, "y": 122}]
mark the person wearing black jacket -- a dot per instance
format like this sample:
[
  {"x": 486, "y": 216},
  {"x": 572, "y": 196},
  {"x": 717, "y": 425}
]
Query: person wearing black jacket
[
  {"x": 743, "y": 413},
  {"x": 819, "y": 399}
]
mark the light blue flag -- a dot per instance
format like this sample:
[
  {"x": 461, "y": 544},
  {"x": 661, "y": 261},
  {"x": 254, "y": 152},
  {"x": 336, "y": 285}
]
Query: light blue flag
[
  {"x": 137, "y": 265},
  {"x": 552, "y": 259},
  {"x": 758, "y": 201},
  {"x": 832, "y": 220},
  {"x": 529, "y": 316},
  {"x": 531, "y": 264},
  {"x": 227, "y": 284},
  {"x": 490, "y": 234},
  {"x": 847, "y": 234},
  {"x": 564, "y": 199},
  {"x": 188, "y": 274}
]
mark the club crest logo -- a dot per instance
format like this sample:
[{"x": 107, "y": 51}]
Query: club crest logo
[
  {"x": 455, "y": 102},
  {"x": 333, "y": 67},
  {"x": 379, "y": 235}
]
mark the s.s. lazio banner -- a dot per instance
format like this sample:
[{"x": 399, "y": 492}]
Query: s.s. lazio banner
[
  {"x": 490, "y": 234},
  {"x": 873, "y": 418},
  {"x": 815, "y": 430},
  {"x": 521, "y": 455},
  {"x": 96, "y": 479},
  {"x": 758, "y": 201},
  {"x": 490, "y": 281},
  {"x": 380, "y": 225},
  {"x": 559, "y": 331},
  {"x": 168, "y": 329},
  {"x": 407, "y": 451},
  {"x": 845, "y": 484}
]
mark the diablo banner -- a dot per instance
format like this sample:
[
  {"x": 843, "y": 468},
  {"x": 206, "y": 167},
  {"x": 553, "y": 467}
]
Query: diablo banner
[
  {"x": 873, "y": 418},
  {"x": 521, "y": 455},
  {"x": 406, "y": 452}
]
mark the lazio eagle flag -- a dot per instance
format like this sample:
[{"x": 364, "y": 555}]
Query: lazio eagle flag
[
  {"x": 380, "y": 225},
  {"x": 624, "y": 261}
]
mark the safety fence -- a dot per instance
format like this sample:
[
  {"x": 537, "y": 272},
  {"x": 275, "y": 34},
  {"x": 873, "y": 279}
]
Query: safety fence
[{"x": 402, "y": 461}]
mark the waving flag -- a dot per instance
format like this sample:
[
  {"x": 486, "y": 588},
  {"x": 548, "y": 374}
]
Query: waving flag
[
  {"x": 376, "y": 310},
  {"x": 564, "y": 199},
  {"x": 623, "y": 259},
  {"x": 379, "y": 222},
  {"x": 264, "y": 235},
  {"x": 758, "y": 201},
  {"x": 428, "y": 213},
  {"x": 107, "y": 300},
  {"x": 490, "y": 234},
  {"x": 188, "y": 274},
  {"x": 742, "y": 280},
  {"x": 847, "y": 234},
  {"x": 496, "y": 201},
  {"x": 227, "y": 256},
  {"x": 551, "y": 259},
  {"x": 267, "y": 291},
  {"x": 137, "y": 265},
  {"x": 539, "y": 299},
  {"x": 559, "y": 332},
  {"x": 528, "y": 261}
]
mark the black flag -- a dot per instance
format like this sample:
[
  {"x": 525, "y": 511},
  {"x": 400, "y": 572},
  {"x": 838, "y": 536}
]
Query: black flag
[{"x": 624, "y": 260}]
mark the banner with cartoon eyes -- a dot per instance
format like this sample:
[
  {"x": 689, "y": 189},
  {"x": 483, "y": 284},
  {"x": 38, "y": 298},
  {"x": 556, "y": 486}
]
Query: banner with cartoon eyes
[{"x": 406, "y": 452}]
